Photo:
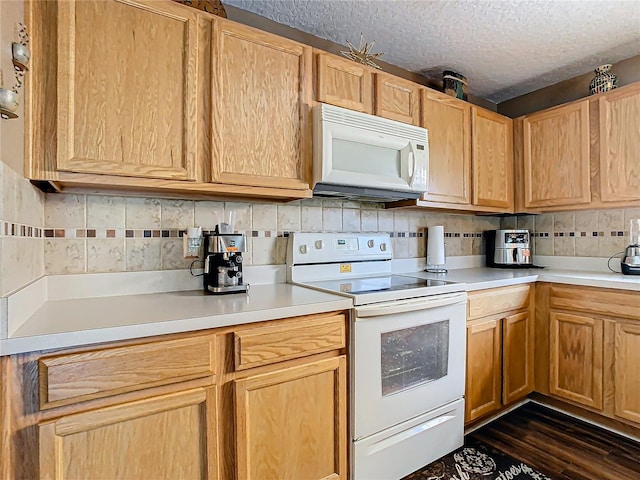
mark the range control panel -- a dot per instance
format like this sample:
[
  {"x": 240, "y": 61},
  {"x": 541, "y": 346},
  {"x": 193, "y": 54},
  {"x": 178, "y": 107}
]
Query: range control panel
[{"x": 322, "y": 248}]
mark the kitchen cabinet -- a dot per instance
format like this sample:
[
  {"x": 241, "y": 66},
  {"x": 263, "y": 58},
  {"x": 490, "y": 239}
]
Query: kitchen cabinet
[
  {"x": 581, "y": 155},
  {"x": 397, "y": 99},
  {"x": 166, "y": 437},
  {"x": 261, "y": 92},
  {"x": 499, "y": 349},
  {"x": 556, "y": 156},
  {"x": 589, "y": 346},
  {"x": 448, "y": 122},
  {"x": 265, "y": 400},
  {"x": 180, "y": 102},
  {"x": 619, "y": 138},
  {"x": 343, "y": 83}
]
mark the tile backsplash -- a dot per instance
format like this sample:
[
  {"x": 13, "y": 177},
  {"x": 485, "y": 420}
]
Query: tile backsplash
[
  {"x": 94, "y": 233},
  {"x": 587, "y": 233}
]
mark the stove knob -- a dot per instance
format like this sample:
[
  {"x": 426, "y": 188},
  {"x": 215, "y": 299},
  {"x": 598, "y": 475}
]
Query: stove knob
[
  {"x": 319, "y": 244},
  {"x": 383, "y": 247},
  {"x": 303, "y": 249},
  {"x": 370, "y": 243}
]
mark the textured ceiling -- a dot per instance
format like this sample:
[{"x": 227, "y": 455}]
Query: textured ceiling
[{"x": 505, "y": 48}]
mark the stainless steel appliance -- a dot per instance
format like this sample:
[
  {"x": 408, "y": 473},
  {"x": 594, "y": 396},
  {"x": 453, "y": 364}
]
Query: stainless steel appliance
[
  {"x": 223, "y": 262},
  {"x": 630, "y": 263},
  {"x": 508, "y": 248},
  {"x": 407, "y": 350}
]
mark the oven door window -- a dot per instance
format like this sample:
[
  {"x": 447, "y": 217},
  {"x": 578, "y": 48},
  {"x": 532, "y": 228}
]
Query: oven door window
[{"x": 414, "y": 356}]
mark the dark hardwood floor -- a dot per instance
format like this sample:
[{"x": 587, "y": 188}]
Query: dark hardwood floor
[{"x": 562, "y": 447}]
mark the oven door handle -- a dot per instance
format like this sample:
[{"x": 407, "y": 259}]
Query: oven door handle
[{"x": 410, "y": 305}]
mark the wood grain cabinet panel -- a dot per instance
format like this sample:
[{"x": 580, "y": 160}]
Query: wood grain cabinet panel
[
  {"x": 127, "y": 101},
  {"x": 397, "y": 99},
  {"x": 484, "y": 368},
  {"x": 167, "y": 437},
  {"x": 517, "y": 356},
  {"x": 626, "y": 363},
  {"x": 492, "y": 157},
  {"x": 557, "y": 156},
  {"x": 576, "y": 358},
  {"x": 497, "y": 300},
  {"x": 343, "y": 83},
  {"x": 76, "y": 377},
  {"x": 275, "y": 343},
  {"x": 291, "y": 423},
  {"x": 261, "y": 93},
  {"x": 620, "y": 144},
  {"x": 448, "y": 122}
]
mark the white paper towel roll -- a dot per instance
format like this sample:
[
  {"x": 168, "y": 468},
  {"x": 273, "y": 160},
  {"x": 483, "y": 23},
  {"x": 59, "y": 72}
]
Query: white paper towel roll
[{"x": 435, "y": 245}]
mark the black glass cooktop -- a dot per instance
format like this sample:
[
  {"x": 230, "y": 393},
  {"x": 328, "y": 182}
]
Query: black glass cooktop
[{"x": 377, "y": 284}]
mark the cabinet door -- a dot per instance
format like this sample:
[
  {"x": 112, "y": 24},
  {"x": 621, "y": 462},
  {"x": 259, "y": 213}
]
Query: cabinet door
[
  {"x": 344, "y": 83},
  {"x": 484, "y": 368},
  {"x": 127, "y": 88},
  {"x": 620, "y": 144},
  {"x": 260, "y": 99},
  {"x": 576, "y": 358},
  {"x": 291, "y": 424},
  {"x": 627, "y": 380},
  {"x": 168, "y": 437},
  {"x": 397, "y": 99},
  {"x": 556, "y": 156},
  {"x": 517, "y": 357},
  {"x": 448, "y": 122},
  {"x": 492, "y": 136}
]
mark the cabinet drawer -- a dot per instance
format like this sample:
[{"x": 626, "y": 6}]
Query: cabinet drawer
[
  {"x": 77, "y": 377},
  {"x": 497, "y": 300},
  {"x": 299, "y": 338},
  {"x": 595, "y": 300}
]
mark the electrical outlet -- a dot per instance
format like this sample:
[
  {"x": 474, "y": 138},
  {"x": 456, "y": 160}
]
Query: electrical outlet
[{"x": 192, "y": 242}]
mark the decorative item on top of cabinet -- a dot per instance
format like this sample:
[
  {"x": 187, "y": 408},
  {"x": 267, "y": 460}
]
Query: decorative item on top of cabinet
[
  {"x": 261, "y": 130},
  {"x": 397, "y": 99},
  {"x": 209, "y": 6},
  {"x": 362, "y": 54},
  {"x": 454, "y": 84},
  {"x": 343, "y": 83},
  {"x": 448, "y": 122},
  {"x": 556, "y": 156},
  {"x": 604, "y": 80}
]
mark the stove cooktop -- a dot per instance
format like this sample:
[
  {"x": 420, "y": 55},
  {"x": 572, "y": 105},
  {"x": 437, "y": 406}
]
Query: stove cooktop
[{"x": 376, "y": 284}]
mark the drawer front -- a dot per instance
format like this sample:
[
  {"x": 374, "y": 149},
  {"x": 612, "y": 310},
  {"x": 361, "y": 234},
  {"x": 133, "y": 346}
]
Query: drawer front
[
  {"x": 76, "y": 377},
  {"x": 593, "y": 300},
  {"x": 497, "y": 300},
  {"x": 299, "y": 338}
]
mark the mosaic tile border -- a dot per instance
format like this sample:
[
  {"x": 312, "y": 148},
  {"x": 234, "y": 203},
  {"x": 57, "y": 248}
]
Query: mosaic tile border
[
  {"x": 612, "y": 233},
  {"x": 21, "y": 230}
]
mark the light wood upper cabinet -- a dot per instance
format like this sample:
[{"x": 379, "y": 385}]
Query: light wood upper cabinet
[
  {"x": 576, "y": 358},
  {"x": 492, "y": 158},
  {"x": 127, "y": 89},
  {"x": 619, "y": 138},
  {"x": 484, "y": 368},
  {"x": 167, "y": 437},
  {"x": 261, "y": 92},
  {"x": 343, "y": 83},
  {"x": 291, "y": 423},
  {"x": 397, "y": 99},
  {"x": 627, "y": 380},
  {"x": 448, "y": 122},
  {"x": 557, "y": 156}
]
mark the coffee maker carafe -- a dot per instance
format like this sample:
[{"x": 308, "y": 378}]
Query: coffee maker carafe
[{"x": 223, "y": 251}]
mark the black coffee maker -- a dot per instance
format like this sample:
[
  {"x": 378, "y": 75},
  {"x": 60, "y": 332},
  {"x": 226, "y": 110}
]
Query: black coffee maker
[{"x": 223, "y": 251}]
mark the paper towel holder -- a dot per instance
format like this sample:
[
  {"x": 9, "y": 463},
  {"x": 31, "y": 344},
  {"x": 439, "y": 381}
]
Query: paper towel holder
[{"x": 435, "y": 250}]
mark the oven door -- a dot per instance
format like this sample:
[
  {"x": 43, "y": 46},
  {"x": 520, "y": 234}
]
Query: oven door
[{"x": 409, "y": 358}]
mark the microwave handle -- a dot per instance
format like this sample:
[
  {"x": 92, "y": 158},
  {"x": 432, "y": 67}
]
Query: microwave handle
[{"x": 411, "y": 164}]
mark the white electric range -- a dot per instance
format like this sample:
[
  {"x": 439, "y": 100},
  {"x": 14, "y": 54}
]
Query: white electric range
[{"x": 407, "y": 351}]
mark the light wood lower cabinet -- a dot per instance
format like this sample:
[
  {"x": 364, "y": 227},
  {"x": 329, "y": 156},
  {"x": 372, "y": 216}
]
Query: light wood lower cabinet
[
  {"x": 626, "y": 355},
  {"x": 291, "y": 424},
  {"x": 167, "y": 437},
  {"x": 576, "y": 358},
  {"x": 499, "y": 349},
  {"x": 255, "y": 401}
]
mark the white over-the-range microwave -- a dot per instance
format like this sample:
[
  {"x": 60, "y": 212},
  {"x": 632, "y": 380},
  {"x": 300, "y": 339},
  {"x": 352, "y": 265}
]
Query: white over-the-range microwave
[{"x": 362, "y": 156}]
